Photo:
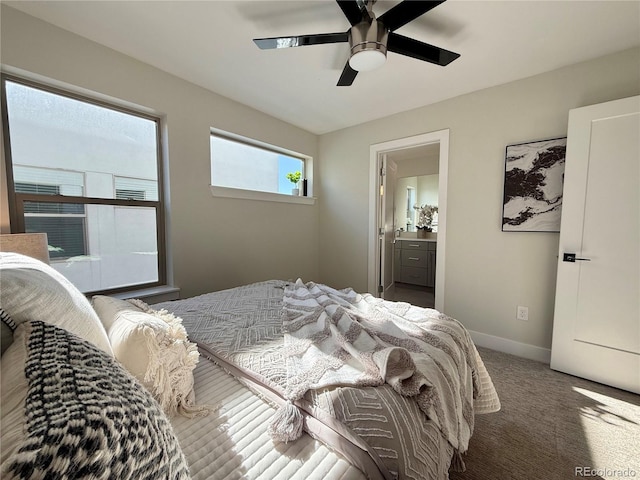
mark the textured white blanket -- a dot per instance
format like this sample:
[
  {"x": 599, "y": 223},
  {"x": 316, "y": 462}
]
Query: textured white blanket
[{"x": 341, "y": 338}]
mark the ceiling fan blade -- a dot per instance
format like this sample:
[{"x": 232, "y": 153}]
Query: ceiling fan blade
[
  {"x": 406, "y": 11},
  {"x": 420, "y": 50},
  {"x": 301, "y": 40},
  {"x": 351, "y": 10},
  {"x": 348, "y": 76}
]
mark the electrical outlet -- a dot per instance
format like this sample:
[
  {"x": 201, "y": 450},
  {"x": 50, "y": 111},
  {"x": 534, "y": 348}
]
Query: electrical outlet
[{"x": 523, "y": 313}]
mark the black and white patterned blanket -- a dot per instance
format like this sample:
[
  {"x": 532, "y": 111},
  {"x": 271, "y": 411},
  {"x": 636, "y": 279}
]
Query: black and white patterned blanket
[{"x": 86, "y": 417}]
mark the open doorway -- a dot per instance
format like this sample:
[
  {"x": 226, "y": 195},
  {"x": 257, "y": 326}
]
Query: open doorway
[
  {"x": 413, "y": 204},
  {"x": 384, "y": 233}
]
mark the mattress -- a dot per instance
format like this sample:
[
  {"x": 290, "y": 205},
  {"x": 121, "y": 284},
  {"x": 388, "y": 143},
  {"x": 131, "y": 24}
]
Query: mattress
[{"x": 233, "y": 443}]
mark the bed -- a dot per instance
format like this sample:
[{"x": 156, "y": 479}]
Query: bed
[
  {"x": 273, "y": 380},
  {"x": 385, "y": 434}
]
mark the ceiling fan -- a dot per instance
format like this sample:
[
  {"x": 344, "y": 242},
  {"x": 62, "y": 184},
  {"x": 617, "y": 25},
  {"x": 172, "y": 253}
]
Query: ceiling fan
[{"x": 370, "y": 38}]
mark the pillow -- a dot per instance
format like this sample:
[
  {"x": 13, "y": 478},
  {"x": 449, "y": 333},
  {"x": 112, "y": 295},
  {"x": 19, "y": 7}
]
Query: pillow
[
  {"x": 33, "y": 290},
  {"x": 7, "y": 327},
  {"x": 153, "y": 346},
  {"x": 86, "y": 417}
]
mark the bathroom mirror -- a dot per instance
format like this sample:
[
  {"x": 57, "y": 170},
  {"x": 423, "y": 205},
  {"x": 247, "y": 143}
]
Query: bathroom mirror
[{"x": 410, "y": 191}]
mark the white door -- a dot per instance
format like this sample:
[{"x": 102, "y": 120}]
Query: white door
[
  {"x": 385, "y": 224},
  {"x": 596, "y": 332},
  {"x": 389, "y": 223}
]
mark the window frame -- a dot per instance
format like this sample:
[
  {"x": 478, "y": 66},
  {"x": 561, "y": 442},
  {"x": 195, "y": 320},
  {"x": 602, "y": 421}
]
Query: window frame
[
  {"x": 250, "y": 194},
  {"x": 16, "y": 200}
]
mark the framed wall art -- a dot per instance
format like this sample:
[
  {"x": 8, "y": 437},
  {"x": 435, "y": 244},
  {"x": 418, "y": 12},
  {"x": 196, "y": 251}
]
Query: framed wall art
[{"x": 533, "y": 181}]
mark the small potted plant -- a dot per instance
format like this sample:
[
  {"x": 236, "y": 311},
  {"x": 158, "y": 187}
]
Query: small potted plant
[{"x": 294, "y": 177}]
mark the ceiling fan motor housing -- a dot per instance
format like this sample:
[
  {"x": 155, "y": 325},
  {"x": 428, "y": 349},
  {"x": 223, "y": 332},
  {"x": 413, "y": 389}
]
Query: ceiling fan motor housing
[{"x": 370, "y": 38}]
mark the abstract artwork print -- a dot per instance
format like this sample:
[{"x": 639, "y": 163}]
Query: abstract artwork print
[{"x": 533, "y": 180}]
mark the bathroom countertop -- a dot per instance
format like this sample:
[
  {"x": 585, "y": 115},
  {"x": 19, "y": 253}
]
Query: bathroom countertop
[{"x": 416, "y": 239}]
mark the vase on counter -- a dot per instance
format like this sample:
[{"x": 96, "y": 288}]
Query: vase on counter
[{"x": 423, "y": 231}]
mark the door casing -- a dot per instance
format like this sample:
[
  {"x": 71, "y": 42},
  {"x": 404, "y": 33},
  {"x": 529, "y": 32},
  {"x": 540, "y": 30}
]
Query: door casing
[{"x": 374, "y": 252}]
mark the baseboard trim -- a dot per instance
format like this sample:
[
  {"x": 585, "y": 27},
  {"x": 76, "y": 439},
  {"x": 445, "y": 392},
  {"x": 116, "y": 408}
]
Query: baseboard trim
[{"x": 505, "y": 345}]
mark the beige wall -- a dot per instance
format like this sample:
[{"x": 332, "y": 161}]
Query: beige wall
[
  {"x": 412, "y": 167},
  {"x": 488, "y": 272},
  {"x": 216, "y": 242}
]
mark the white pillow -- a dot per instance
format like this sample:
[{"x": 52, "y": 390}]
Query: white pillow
[
  {"x": 33, "y": 290},
  {"x": 153, "y": 346}
]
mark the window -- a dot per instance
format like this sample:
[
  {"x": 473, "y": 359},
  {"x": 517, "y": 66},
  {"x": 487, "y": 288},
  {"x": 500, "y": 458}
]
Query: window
[
  {"x": 63, "y": 223},
  {"x": 135, "y": 189},
  {"x": 248, "y": 165},
  {"x": 89, "y": 175}
]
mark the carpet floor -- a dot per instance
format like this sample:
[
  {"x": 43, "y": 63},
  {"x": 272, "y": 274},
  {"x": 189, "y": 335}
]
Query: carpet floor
[{"x": 552, "y": 426}]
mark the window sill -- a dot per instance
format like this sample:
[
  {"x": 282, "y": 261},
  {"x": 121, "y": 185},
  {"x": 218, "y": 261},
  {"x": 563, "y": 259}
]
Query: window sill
[
  {"x": 151, "y": 295},
  {"x": 262, "y": 196}
]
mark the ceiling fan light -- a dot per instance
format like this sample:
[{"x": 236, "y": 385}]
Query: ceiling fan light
[
  {"x": 367, "y": 60},
  {"x": 368, "y": 42}
]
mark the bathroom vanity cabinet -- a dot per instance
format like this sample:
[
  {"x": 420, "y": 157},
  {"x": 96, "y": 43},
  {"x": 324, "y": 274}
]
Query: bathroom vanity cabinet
[{"x": 415, "y": 261}]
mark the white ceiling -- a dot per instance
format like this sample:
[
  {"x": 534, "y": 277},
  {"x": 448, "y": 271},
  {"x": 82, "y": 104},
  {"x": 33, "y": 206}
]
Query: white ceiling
[{"x": 210, "y": 44}]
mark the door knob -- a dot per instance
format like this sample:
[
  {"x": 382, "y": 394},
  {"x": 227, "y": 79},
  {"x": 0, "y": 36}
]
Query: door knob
[{"x": 571, "y": 257}]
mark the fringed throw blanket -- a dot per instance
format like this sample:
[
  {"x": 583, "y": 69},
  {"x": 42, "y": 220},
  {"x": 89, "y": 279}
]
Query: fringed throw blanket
[{"x": 341, "y": 338}]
